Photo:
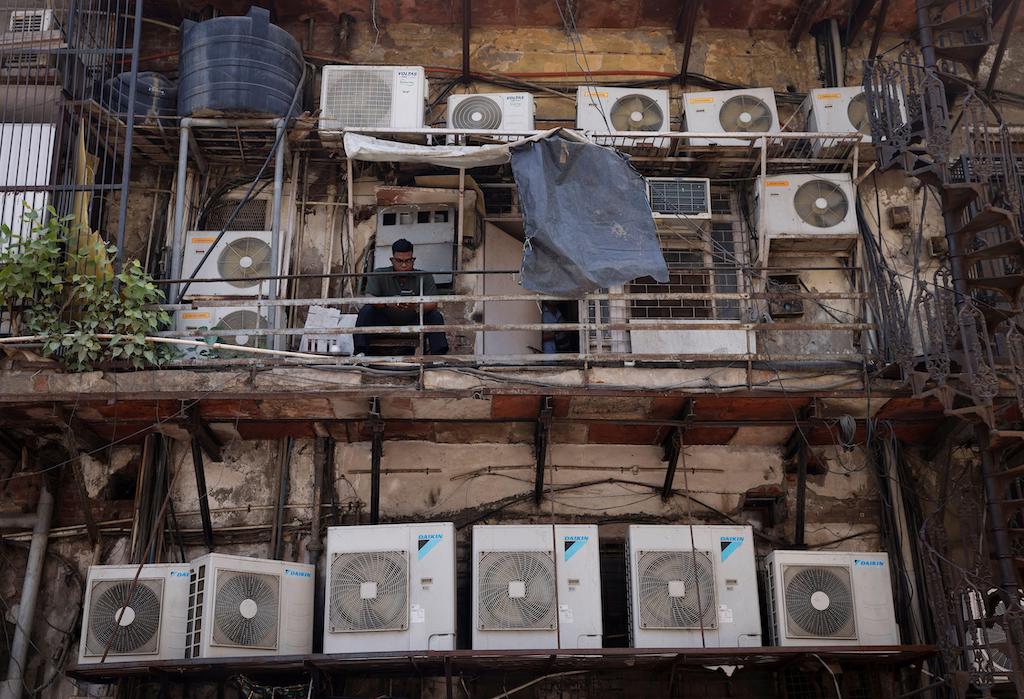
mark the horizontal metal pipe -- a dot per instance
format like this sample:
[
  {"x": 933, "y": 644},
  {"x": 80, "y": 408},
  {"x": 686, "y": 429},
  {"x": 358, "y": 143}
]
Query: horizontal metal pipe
[{"x": 18, "y": 521}]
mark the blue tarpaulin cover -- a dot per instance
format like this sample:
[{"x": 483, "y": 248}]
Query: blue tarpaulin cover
[{"x": 586, "y": 216}]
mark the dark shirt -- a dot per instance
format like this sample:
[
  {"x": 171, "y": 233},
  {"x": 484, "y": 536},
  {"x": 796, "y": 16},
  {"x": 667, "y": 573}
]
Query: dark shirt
[{"x": 405, "y": 284}]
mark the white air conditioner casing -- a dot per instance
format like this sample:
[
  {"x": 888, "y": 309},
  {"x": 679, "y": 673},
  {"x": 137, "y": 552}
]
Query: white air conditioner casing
[
  {"x": 679, "y": 197},
  {"x": 26, "y": 152},
  {"x": 227, "y": 320},
  {"x": 703, "y": 110},
  {"x": 501, "y": 111},
  {"x": 536, "y": 586},
  {"x": 683, "y": 577},
  {"x": 828, "y": 110},
  {"x": 783, "y": 226},
  {"x": 372, "y": 97},
  {"x": 595, "y": 106},
  {"x": 682, "y": 342},
  {"x": 249, "y": 606},
  {"x": 390, "y": 587},
  {"x": 151, "y": 625},
  {"x": 830, "y": 598},
  {"x": 29, "y": 21},
  {"x": 237, "y": 254}
]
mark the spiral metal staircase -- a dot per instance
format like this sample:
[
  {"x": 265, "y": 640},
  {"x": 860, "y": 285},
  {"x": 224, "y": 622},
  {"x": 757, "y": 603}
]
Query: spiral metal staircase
[{"x": 964, "y": 343}]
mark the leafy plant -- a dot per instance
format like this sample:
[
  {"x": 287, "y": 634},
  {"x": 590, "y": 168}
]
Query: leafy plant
[{"x": 69, "y": 296}]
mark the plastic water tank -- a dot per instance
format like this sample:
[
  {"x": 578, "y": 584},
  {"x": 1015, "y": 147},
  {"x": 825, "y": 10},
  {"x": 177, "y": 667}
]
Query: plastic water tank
[
  {"x": 155, "y": 95},
  {"x": 238, "y": 65}
]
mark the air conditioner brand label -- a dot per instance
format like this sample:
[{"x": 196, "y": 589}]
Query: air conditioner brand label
[
  {"x": 178, "y": 574},
  {"x": 702, "y": 100},
  {"x": 205, "y": 240},
  {"x": 729, "y": 545},
  {"x": 515, "y": 99},
  {"x": 828, "y": 95},
  {"x": 776, "y": 183},
  {"x": 425, "y": 543},
  {"x": 193, "y": 315},
  {"x": 573, "y": 544},
  {"x": 297, "y": 573},
  {"x": 868, "y": 564}
]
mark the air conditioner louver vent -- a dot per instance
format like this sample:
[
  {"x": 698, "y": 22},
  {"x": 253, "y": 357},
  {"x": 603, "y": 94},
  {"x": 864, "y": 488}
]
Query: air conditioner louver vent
[
  {"x": 246, "y": 610},
  {"x": 636, "y": 113},
  {"x": 821, "y": 203},
  {"x": 744, "y": 113},
  {"x": 819, "y": 602},
  {"x": 124, "y": 620},
  {"x": 359, "y": 98},
  {"x": 234, "y": 325},
  {"x": 516, "y": 590},
  {"x": 242, "y": 260},
  {"x": 369, "y": 591},
  {"x": 477, "y": 112},
  {"x": 251, "y": 217},
  {"x": 676, "y": 590}
]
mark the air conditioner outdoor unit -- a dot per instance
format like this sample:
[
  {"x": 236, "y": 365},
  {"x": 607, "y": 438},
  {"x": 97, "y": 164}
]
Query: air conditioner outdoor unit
[
  {"x": 830, "y": 598},
  {"x": 692, "y": 586},
  {"x": 26, "y": 152},
  {"x": 985, "y": 636},
  {"x": 372, "y": 97},
  {"x": 806, "y": 212},
  {"x": 390, "y": 587},
  {"x": 431, "y": 230},
  {"x": 249, "y": 606},
  {"x": 536, "y": 586},
  {"x": 232, "y": 323},
  {"x": 500, "y": 111},
  {"x": 241, "y": 258},
  {"x": 837, "y": 110},
  {"x": 139, "y": 621},
  {"x": 615, "y": 110},
  {"x": 679, "y": 197},
  {"x": 28, "y": 21},
  {"x": 28, "y": 39},
  {"x": 730, "y": 111}
]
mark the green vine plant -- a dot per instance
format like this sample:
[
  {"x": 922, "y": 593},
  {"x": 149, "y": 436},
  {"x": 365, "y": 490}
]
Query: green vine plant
[{"x": 67, "y": 294}]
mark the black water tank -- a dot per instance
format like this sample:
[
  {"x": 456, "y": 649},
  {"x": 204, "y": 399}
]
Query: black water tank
[
  {"x": 238, "y": 65},
  {"x": 155, "y": 95}
]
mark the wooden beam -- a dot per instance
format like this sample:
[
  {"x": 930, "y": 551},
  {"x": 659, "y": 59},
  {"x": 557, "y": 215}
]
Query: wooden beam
[
  {"x": 805, "y": 15},
  {"x": 876, "y": 37},
  {"x": 201, "y": 433},
  {"x": 202, "y": 493},
  {"x": 1004, "y": 41},
  {"x": 541, "y": 439},
  {"x": 858, "y": 19}
]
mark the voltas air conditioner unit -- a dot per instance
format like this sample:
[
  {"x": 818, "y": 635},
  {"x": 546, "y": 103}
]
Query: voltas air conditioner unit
[
  {"x": 730, "y": 111},
  {"x": 241, "y": 258},
  {"x": 536, "y": 586},
  {"x": 830, "y": 598},
  {"x": 131, "y": 620},
  {"x": 390, "y": 587},
  {"x": 692, "y": 586},
  {"x": 615, "y": 110},
  {"x": 806, "y": 212},
  {"x": 249, "y": 606},
  {"x": 234, "y": 325},
  {"x": 679, "y": 197},
  {"x": 837, "y": 110},
  {"x": 500, "y": 111},
  {"x": 372, "y": 97},
  {"x": 985, "y": 635}
]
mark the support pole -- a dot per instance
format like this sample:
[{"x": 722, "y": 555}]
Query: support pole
[
  {"x": 801, "y": 493},
  {"x": 541, "y": 439},
  {"x": 178, "y": 239},
  {"x": 467, "y": 21},
  {"x": 275, "y": 226},
  {"x": 376, "y": 452},
  {"x": 314, "y": 548},
  {"x": 673, "y": 446},
  {"x": 15, "y": 684},
  {"x": 876, "y": 36},
  {"x": 686, "y": 24},
  {"x": 284, "y": 474},
  {"x": 201, "y": 492},
  {"x": 126, "y": 165}
]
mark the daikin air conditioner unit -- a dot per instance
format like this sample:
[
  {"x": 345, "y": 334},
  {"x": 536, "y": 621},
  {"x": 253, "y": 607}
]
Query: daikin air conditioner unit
[
  {"x": 390, "y": 587},
  {"x": 985, "y": 635},
  {"x": 692, "y": 586},
  {"x": 249, "y": 606},
  {"x": 830, "y": 598},
  {"x": 679, "y": 197},
  {"x": 616, "y": 110},
  {"x": 500, "y": 111},
  {"x": 241, "y": 258},
  {"x": 751, "y": 110},
  {"x": 369, "y": 97},
  {"x": 807, "y": 212},
  {"x": 129, "y": 620},
  {"x": 536, "y": 586},
  {"x": 234, "y": 325},
  {"x": 26, "y": 152}
]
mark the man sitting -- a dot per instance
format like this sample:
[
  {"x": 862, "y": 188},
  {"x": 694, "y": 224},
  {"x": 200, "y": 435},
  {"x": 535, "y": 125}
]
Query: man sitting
[{"x": 404, "y": 280}]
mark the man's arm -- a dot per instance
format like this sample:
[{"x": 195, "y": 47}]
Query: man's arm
[{"x": 375, "y": 288}]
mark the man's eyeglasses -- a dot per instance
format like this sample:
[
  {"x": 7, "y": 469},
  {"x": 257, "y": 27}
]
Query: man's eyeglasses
[{"x": 406, "y": 261}]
